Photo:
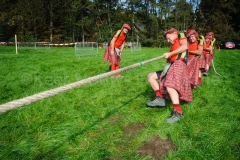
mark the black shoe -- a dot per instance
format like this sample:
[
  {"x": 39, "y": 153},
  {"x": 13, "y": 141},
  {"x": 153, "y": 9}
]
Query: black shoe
[
  {"x": 157, "y": 102},
  {"x": 175, "y": 117},
  {"x": 205, "y": 73}
]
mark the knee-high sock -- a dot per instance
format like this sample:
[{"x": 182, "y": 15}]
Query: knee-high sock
[
  {"x": 117, "y": 67},
  {"x": 113, "y": 67},
  {"x": 158, "y": 93},
  {"x": 177, "y": 107}
]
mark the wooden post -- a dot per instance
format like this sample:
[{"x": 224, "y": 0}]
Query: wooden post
[{"x": 16, "y": 44}]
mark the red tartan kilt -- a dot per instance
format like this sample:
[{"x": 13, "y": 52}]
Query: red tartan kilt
[
  {"x": 202, "y": 62},
  {"x": 208, "y": 58},
  {"x": 113, "y": 59},
  {"x": 213, "y": 53},
  {"x": 177, "y": 77},
  {"x": 193, "y": 70}
]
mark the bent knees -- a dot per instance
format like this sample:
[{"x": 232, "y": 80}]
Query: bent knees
[{"x": 152, "y": 76}]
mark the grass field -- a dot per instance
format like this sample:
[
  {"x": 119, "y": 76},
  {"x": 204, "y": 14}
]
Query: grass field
[{"x": 108, "y": 119}]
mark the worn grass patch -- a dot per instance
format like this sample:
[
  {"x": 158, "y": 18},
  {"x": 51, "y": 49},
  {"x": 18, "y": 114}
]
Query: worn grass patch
[{"x": 157, "y": 148}]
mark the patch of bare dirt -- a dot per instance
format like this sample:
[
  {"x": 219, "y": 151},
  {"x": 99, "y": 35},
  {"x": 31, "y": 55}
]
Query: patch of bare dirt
[
  {"x": 131, "y": 130},
  {"x": 157, "y": 148},
  {"x": 114, "y": 119}
]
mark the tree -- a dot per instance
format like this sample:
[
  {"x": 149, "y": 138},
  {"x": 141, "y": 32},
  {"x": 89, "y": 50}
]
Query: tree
[
  {"x": 216, "y": 16},
  {"x": 97, "y": 20}
]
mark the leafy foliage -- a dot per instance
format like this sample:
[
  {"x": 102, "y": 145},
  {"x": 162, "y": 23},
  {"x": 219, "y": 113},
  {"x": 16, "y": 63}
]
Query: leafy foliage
[{"x": 94, "y": 20}]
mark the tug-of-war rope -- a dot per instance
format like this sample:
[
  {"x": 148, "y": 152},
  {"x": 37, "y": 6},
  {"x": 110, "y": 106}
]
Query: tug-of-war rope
[
  {"x": 215, "y": 69},
  {"x": 39, "y": 96}
]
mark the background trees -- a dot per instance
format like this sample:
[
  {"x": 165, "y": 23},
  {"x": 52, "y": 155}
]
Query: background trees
[{"x": 96, "y": 20}]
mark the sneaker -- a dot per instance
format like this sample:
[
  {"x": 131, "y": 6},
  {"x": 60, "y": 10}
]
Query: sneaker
[
  {"x": 119, "y": 76},
  {"x": 157, "y": 102},
  {"x": 205, "y": 73},
  {"x": 175, "y": 117}
]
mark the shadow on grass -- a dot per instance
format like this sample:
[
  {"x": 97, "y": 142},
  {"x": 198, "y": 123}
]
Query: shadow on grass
[
  {"x": 108, "y": 114},
  {"x": 73, "y": 136},
  {"x": 148, "y": 94}
]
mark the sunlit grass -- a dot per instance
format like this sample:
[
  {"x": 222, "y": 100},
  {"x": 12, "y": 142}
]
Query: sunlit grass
[{"x": 89, "y": 122}]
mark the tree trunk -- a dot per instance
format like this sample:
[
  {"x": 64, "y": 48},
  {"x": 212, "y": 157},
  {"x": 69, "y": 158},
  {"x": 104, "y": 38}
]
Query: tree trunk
[{"x": 83, "y": 40}]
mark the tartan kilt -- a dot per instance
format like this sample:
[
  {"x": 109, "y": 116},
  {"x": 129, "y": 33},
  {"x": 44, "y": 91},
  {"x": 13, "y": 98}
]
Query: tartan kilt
[
  {"x": 213, "y": 53},
  {"x": 177, "y": 77},
  {"x": 113, "y": 59},
  {"x": 193, "y": 70},
  {"x": 208, "y": 59},
  {"x": 202, "y": 62}
]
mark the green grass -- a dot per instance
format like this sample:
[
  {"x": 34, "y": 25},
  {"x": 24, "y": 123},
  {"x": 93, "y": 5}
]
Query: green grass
[{"x": 89, "y": 122}]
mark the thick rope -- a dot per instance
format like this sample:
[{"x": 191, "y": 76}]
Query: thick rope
[
  {"x": 52, "y": 92},
  {"x": 215, "y": 69}
]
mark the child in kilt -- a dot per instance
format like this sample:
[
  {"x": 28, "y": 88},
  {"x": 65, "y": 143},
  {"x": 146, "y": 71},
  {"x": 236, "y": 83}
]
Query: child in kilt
[
  {"x": 195, "y": 49},
  {"x": 211, "y": 42},
  {"x": 173, "y": 82},
  {"x": 208, "y": 55},
  {"x": 113, "y": 51}
]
